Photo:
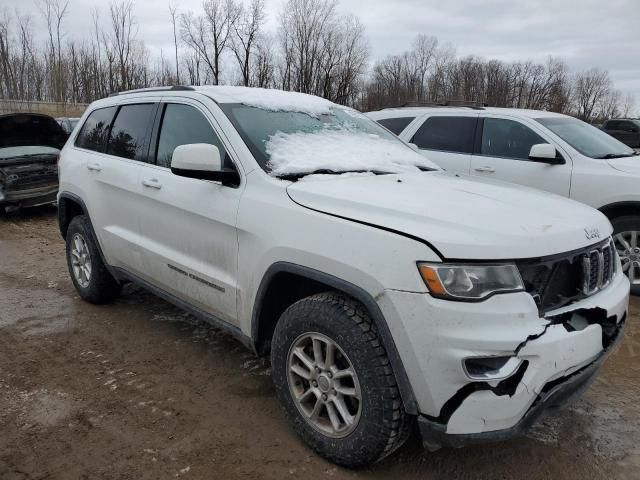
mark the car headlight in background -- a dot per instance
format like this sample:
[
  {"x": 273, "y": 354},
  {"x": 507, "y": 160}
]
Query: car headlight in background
[{"x": 470, "y": 282}]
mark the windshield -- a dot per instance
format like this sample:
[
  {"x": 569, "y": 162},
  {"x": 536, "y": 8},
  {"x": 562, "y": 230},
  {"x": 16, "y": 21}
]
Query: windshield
[
  {"x": 294, "y": 144},
  {"x": 586, "y": 139}
]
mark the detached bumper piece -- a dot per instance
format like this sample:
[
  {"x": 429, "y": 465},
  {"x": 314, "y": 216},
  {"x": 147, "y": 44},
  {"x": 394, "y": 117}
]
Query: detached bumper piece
[{"x": 554, "y": 395}]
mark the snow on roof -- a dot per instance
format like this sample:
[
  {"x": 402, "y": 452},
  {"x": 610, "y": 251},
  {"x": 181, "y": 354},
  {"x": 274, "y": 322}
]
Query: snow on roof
[
  {"x": 269, "y": 99},
  {"x": 340, "y": 150}
]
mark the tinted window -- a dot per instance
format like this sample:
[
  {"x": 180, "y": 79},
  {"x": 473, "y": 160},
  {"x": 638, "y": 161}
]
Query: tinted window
[
  {"x": 396, "y": 125},
  {"x": 449, "y": 134},
  {"x": 128, "y": 137},
  {"x": 95, "y": 130},
  {"x": 508, "y": 139},
  {"x": 586, "y": 139},
  {"x": 613, "y": 125},
  {"x": 629, "y": 126},
  {"x": 182, "y": 125}
]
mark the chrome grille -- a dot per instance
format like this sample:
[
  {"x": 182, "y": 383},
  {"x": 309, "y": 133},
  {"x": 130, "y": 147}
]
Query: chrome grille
[{"x": 598, "y": 267}]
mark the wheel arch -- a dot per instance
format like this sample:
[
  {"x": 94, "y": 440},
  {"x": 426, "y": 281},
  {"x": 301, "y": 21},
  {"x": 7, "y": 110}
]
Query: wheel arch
[
  {"x": 69, "y": 205},
  {"x": 620, "y": 209},
  {"x": 285, "y": 283}
]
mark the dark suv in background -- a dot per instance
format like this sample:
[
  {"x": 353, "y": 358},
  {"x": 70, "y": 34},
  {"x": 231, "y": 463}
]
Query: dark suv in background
[{"x": 627, "y": 130}]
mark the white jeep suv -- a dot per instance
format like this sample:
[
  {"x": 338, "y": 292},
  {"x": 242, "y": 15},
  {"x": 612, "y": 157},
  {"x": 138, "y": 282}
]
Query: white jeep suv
[
  {"x": 544, "y": 150},
  {"x": 385, "y": 290}
]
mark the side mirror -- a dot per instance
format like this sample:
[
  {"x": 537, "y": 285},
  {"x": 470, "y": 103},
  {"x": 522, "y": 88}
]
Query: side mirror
[
  {"x": 545, "y": 153},
  {"x": 202, "y": 161}
]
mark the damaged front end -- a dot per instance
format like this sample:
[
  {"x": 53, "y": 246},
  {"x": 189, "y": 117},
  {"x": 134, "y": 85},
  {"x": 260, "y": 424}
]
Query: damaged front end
[
  {"x": 481, "y": 405},
  {"x": 29, "y": 180},
  {"x": 29, "y": 147},
  {"x": 487, "y": 370}
]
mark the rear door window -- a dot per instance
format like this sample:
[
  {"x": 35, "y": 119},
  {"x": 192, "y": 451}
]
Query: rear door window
[
  {"x": 396, "y": 125},
  {"x": 508, "y": 139},
  {"x": 94, "y": 132},
  {"x": 130, "y": 131},
  {"x": 183, "y": 125},
  {"x": 447, "y": 134}
]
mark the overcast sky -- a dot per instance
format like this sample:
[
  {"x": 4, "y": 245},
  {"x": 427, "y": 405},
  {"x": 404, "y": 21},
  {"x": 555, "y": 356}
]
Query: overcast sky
[{"x": 586, "y": 33}]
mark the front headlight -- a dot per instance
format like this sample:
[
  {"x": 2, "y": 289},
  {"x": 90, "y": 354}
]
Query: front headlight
[{"x": 470, "y": 282}]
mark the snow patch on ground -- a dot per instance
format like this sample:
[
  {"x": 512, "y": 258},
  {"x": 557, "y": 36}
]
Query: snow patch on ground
[
  {"x": 340, "y": 150},
  {"x": 270, "y": 99}
]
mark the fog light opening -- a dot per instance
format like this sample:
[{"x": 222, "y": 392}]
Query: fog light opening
[{"x": 490, "y": 368}]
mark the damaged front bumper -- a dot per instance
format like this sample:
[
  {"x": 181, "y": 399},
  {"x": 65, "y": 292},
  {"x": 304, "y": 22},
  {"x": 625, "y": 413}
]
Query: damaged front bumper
[
  {"x": 540, "y": 363},
  {"x": 28, "y": 185}
]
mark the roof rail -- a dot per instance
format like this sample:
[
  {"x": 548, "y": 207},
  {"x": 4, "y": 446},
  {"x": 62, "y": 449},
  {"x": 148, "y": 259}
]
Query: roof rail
[
  {"x": 447, "y": 103},
  {"x": 173, "y": 88}
]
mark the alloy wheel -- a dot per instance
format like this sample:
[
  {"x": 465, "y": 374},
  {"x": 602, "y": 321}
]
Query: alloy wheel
[
  {"x": 628, "y": 246},
  {"x": 324, "y": 385},
  {"x": 80, "y": 260}
]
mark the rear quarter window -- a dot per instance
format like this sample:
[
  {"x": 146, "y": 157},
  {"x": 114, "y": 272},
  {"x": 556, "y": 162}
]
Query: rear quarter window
[
  {"x": 130, "y": 131},
  {"x": 396, "y": 125},
  {"x": 447, "y": 134},
  {"x": 95, "y": 131}
]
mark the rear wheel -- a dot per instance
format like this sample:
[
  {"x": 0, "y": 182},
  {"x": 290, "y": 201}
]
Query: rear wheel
[
  {"x": 335, "y": 382},
  {"x": 88, "y": 273},
  {"x": 627, "y": 240}
]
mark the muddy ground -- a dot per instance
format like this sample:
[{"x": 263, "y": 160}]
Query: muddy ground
[{"x": 140, "y": 390}]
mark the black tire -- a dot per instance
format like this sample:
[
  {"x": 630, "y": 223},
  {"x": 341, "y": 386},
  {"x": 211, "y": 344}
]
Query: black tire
[
  {"x": 383, "y": 425},
  {"x": 625, "y": 224},
  {"x": 102, "y": 287}
]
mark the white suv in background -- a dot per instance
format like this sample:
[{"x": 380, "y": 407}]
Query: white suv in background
[
  {"x": 543, "y": 150},
  {"x": 385, "y": 290}
]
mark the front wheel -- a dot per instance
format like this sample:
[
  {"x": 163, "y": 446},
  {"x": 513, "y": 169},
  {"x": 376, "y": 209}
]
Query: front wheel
[
  {"x": 333, "y": 377},
  {"x": 627, "y": 240}
]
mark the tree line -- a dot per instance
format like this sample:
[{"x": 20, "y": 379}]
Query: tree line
[{"x": 314, "y": 49}]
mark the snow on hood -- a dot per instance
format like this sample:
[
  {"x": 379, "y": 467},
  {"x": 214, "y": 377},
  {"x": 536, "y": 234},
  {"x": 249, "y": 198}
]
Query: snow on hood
[
  {"x": 462, "y": 217},
  {"x": 340, "y": 150},
  {"x": 270, "y": 99}
]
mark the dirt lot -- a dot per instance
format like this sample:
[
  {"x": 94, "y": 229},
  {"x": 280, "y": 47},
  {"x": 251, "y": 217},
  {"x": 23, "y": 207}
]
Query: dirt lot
[{"x": 139, "y": 390}]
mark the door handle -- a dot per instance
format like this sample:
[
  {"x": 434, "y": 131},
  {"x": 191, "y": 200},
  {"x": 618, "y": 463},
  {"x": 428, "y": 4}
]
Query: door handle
[
  {"x": 485, "y": 169},
  {"x": 152, "y": 183},
  {"x": 94, "y": 167}
]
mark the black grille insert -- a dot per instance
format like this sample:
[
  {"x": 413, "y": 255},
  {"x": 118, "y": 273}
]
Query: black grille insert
[{"x": 563, "y": 280}]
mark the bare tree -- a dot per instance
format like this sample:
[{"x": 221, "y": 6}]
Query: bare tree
[
  {"x": 246, "y": 34},
  {"x": 263, "y": 74},
  {"x": 173, "y": 12},
  {"x": 302, "y": 30},
  {"x": 589, "y": 91},
  {"x": 208, "y": 34},
  {"x": 123, "y": 32},
  {"x": 53, "y": 12},
  {"x": 628, "y": 105}
]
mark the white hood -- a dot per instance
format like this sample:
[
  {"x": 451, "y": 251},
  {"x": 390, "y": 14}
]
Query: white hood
[
  {"x": 463, "y": 218},
  {"x": 626, "y": 164}
]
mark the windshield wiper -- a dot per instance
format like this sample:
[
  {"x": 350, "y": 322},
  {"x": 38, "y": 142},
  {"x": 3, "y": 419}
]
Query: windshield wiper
[
  {"x": 326, "y": 171},
  {"x": 615, "y": 155}
]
